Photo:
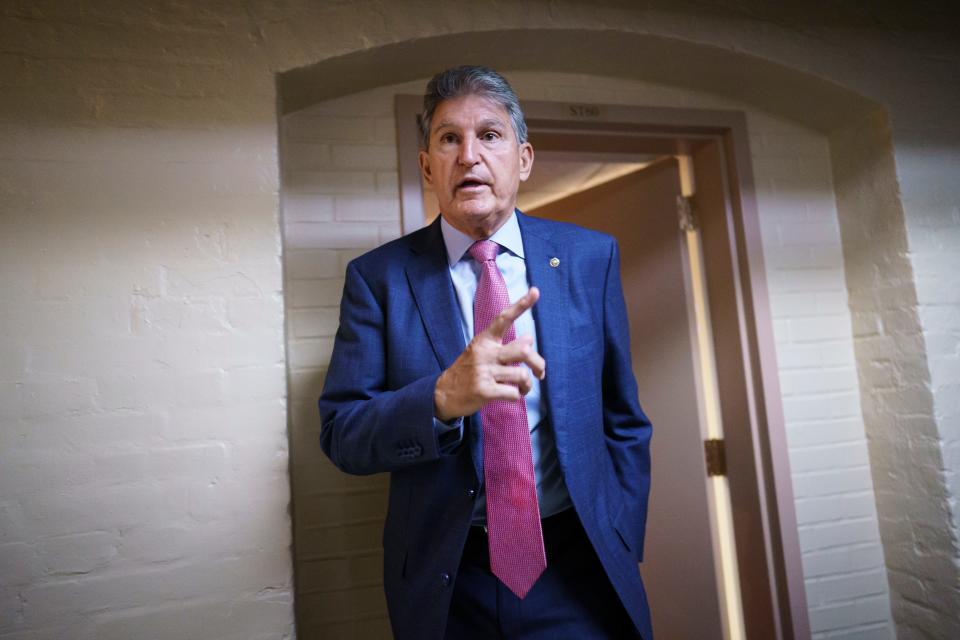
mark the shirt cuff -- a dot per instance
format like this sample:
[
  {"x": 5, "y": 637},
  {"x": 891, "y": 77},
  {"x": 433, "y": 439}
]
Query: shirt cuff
[{"x": 449, "y": 434}]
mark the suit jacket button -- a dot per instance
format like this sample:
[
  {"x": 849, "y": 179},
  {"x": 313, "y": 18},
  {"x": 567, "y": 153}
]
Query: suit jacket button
[
  {"x": 445, "y": 579},
  {"x": 471, "y": 492}
]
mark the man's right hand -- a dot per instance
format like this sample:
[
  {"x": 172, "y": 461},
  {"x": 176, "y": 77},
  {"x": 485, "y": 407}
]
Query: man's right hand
[{"x": 486, "y": 369}]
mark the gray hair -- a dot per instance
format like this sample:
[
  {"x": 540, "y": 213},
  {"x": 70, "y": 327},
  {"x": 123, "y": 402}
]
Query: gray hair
[{"x": 470, "y": 80}]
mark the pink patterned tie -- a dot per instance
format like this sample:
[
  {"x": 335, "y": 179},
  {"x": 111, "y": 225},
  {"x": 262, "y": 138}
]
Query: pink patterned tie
[{"x": 517, "y": 556}]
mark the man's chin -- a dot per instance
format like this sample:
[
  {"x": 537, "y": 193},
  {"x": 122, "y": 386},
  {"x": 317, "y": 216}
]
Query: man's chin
[
  {"x": 479, "y": 214},
  {"x": 477, "y": 221}
]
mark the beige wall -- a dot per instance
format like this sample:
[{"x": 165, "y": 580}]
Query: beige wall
[
  {"x": 143, "y": 451},
  {"x": 143, "y": 447}
]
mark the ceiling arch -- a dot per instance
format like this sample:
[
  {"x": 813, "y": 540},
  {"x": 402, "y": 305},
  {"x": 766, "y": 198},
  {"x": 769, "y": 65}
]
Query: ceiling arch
[{"x": 810, "y": 100}]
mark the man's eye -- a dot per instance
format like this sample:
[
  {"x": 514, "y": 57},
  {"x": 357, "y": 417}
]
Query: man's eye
[
  {"x": 447, "y": 138},
  {"x": 490, "y": 135}
]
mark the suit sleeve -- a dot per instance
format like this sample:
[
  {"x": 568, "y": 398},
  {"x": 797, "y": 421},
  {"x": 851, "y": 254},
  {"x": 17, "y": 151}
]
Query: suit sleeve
[
  {"x": 366, "y": 427},
  {"x": 626, "y": 427}
]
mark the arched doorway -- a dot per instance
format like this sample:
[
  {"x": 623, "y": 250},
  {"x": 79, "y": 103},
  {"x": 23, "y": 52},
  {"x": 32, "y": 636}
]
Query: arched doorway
[{"x": 415, "y": 59}]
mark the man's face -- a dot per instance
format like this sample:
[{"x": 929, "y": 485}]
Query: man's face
[{"x": 475, "y": 164}]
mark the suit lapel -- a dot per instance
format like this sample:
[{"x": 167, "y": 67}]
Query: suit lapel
[
  {"x": 429, "y": 278},
  {"x": 549, "y": 314}
]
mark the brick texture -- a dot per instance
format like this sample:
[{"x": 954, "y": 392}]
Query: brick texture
[
  {"x": 144, "y": 461},
  {"x": 899, "y": 396},
  {"x": 143, "y": 447}
]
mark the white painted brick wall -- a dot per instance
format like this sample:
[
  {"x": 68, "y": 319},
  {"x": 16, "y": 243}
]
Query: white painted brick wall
[
  {"x": 836, "y": 508},
  {"x": 137, "y": 146},
  {"x": 907, "y": 462},
  {"x": 843, "y": 559},
  {"x": 931, "y": 194},
  {"x": 143, "y": 475}
]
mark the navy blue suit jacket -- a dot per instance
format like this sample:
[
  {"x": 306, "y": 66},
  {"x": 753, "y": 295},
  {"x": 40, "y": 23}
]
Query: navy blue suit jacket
[{"x": 400, "y": 328}]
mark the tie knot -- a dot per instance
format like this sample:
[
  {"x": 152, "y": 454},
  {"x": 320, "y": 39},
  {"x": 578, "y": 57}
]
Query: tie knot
[{"x": 484, "y": 250}]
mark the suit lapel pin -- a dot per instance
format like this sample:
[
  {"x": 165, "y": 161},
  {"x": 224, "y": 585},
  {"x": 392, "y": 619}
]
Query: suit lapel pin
[{"x": 554, "y": 262}]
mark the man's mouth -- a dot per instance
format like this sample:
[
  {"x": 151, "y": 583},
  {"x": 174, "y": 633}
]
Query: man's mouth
[{"x": 470, "y": 184}]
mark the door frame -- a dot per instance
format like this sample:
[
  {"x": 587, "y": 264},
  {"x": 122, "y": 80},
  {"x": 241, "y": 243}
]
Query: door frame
[{"x": 758, "y": 470}]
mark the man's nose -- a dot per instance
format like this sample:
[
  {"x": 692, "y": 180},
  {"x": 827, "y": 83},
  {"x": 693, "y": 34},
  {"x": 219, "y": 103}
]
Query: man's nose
[{"x": 469, "y": 152}]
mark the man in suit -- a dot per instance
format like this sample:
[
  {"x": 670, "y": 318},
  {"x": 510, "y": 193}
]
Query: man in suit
[{"x": 484, "y": 361}]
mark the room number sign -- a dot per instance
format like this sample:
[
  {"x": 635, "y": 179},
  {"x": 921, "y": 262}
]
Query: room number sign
[{"x": 584, "y": 111}]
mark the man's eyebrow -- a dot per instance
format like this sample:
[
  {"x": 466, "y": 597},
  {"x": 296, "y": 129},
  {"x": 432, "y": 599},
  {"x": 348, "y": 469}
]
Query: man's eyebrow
[
  {"x": 484, "y": 124},
  {"x": 491, "y": 123}
]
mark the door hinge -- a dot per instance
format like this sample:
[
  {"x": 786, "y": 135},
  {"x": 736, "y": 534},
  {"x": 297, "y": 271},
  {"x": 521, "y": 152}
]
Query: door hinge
[
  {"x": 685, "y": 213},
  {"x": 716, "y": 456}
]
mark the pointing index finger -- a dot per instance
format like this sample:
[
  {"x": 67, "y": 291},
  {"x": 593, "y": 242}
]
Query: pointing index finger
[{"x": 502, "y": 322}]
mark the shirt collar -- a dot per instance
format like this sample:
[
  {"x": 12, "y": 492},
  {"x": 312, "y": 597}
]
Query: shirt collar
[{"x": 457, "y": 242}]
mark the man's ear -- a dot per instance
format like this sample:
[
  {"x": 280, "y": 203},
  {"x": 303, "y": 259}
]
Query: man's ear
[
  {"x": 526, "y": 161},
  {"x": 424, "y": 159}
]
